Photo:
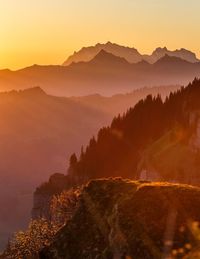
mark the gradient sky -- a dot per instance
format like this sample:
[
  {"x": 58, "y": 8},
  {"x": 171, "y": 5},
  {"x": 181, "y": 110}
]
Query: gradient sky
[{"x": 47, "y": 31}]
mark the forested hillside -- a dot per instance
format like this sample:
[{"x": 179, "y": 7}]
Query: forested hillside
[
  {"x": 154, "y": 127},
  {"x": 38, "y": 133},
  {"x": 118, "y": 148}
]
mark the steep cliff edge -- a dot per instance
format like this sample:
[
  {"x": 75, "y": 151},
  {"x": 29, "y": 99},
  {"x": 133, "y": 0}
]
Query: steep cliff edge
[{"x": 118, "y": 218}]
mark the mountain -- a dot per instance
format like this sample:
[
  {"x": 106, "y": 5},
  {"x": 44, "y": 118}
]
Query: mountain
[
  {"x": 130, "y": 54},
  {"x": 165, "y": 133},
  {"x": 119, "y": 218},
  {"x": 179, "y": 53},
  {"x": 87, "y": 54},
  {"x": 104, "y": 58},
  {"x": 156, "y": 140},
  {"x": 105, "y": 74},
  {"x": 119, "y": 103},
  {"x": 38, "y": 133}
]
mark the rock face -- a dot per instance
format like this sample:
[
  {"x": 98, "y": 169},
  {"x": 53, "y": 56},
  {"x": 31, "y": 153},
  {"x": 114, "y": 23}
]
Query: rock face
[{"x": 124, "y": 219}]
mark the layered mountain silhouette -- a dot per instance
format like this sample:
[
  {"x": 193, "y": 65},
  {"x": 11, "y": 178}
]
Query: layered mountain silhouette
[
  {"x": 105, "y": 74},
  {"x": 130, "y": 54}
]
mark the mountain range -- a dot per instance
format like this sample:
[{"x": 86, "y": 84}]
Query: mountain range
[
  {"x": 130, "y": 54},
  {"x": 105, "y": 74}
]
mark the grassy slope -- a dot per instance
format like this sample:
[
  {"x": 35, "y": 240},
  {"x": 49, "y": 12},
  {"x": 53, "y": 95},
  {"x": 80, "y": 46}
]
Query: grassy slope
[
  {"x": 121, "y": 217},
  {"x": 172, "y": 157}
]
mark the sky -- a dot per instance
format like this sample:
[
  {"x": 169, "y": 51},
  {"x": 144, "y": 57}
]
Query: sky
[{"x": 48, "y": 31}]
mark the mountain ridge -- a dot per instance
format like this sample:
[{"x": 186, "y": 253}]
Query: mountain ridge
[
  {"x": 130, "y": 54},
  {"x": 106, "y": 74}
]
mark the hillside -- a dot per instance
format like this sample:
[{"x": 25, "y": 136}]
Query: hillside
[
  {"x": 156, "y": 140},
  {"x": 45, "y": 130},
  {"x": 174, "y": 157},
  {"x": 37, "y": 134},
  {"x": 105, "y": 74},
  {"x": 130, "y": 54},
  {"x": 118, "y": 218},
  {"x": 119, "y": 103},
  {"x": 140, "y": 134}
]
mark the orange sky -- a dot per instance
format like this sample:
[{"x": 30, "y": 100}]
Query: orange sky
[{"x": 47, "y": 31}]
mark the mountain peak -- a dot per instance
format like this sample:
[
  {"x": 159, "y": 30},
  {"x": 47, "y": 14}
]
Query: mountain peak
[
  {"x": 179, "y": 53},
  {"x": 88, "y": 53},
  {"x": 103, "y": 53},
  {"x": 168, "y": 59},
  {"x": 160, "y": 50},
  {"x": 34, "y": 91},
  {"x": 106, "y": 57}
]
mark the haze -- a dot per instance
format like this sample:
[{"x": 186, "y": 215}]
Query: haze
[{"x": 46, "y": 32}]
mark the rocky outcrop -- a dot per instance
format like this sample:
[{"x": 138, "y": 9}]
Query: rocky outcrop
[{"x": 124, "y": 219}]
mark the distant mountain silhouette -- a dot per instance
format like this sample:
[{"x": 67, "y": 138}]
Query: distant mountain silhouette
[
  {"x": 88, "y": 53},
  {"x": 130, "y": 54},
  {"x": 179, "y": 53},
  {"x": 120, "y": 102},
  {"x": 106, "y": 58},
  {"x": 105, "y": 74},
  {"x": 167, "y": 59}
]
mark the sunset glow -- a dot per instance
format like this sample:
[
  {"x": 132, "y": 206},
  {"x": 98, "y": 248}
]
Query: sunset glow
[
  {"x": 46, "y": 32},
  {"x": 99, "y": 129}
]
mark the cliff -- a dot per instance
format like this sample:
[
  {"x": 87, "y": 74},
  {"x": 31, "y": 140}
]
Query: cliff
[{"x": 121, "y": 218}]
